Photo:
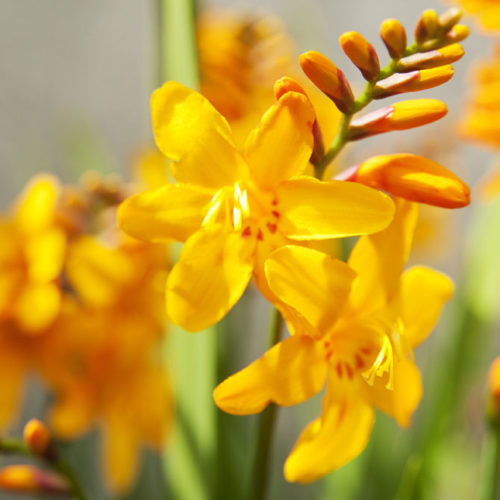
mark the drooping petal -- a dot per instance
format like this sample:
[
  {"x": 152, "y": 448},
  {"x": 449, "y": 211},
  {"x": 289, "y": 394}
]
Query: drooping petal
[
  {"x": 289, "y": 373},
  {"x": 213, "y": 271},
  {"x": 280, "y": 147},
  {"x": 34, "y": 209},
  {"x": 314, "y": 210},
  {"x": 121, "y": 451},
  {"x": 313, "y": 283},
  {"x": 172, "y": 212},
  {"x": 190, "y": 131},
  {"x": 331, "y": 441},
  {"x": 402, "y": 399},
  {"x": 379, "y": 259},
  {"x": 423, "y": 295},
  {"x": 37, "y": 306}
]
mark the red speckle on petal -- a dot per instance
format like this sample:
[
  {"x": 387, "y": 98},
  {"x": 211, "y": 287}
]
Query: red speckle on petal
[
  {"x": 260, "y": 236},
  {"x": 246, "y": 232},
  {"x": 276, "y": 214},
  {"x": 338, "y": 368},
  {"x": 274, "y": 202},
  {"x": 359, "y": 361},
  {"x": 348, "y": 368},
  {"x": 272, "y": 227}
]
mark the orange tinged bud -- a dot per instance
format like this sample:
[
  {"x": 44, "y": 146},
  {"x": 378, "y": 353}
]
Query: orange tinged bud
[
  {"x": 393, "y": 35},
  {"x": 399, "y": 116},
  {"x": 361, "y": 53},
  {"x": 493, "y": 407},
  {"x": 30, "y": 479},
  {"x": 328, "y": 78},
  {"x": 431, "y": 59},
  {"x": 287, "y": 84},
  {"x": 37, "y": 436},
  {"x": 413, "y": 82},
  {"x": 449, "y": 18},
  {"x": 427, "y": 26},
  {"x": 458, "y": 33},
  {"x": 414, "y": 178}
]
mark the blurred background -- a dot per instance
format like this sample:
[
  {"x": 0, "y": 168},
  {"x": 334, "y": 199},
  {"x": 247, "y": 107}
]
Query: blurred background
[{"x": 75, "y": 88}]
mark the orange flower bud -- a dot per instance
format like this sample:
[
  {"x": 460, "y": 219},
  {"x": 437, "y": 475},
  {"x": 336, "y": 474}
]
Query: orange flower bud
[
  {"x": 427, "y": 26},
  {"x": 328, "y": 78},
  {"x": 414, "y": 178},
  {"x": 37, "y": 436},
  {"x": 393, "y": 35},
  {"x": 399, "y": 116},
  {"x": 493, "y": 407},
  {"x": 431, "y": 59},
  {"x": 361, "y": 53},
  {"x": 449, "y": 18},
  {"x": 413, "y": 81},
  {"x": 458, "y": 33},
  {"x": 287, "y": 84},
  {"x": 30, "y": 479}
]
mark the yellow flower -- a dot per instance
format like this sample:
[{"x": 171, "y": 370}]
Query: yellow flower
[
  {"x": 31, "y": 257},
  {"x": 240, "y": 57},
  {"x": 482, "y": 119},
  {"x": 102, "y": 356},
  {"x": 233, "y": 208},
  {"x": 365, "y": 318},
  {"x": 487, "y": 11}
]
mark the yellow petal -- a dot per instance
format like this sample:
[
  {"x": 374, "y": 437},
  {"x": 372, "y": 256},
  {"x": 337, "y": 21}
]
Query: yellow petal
[
  {"x": 314, "y": 210},
  {"x": 189, "y": 131},
  {"x": 379, "y": 259},
  {"x": 213, "y": 271},
  {"x": 313, "y": 283},
  {"x": 37, "y": 307},
  {"x": 170, "y": 212},
  {"x": 402, "y": 400},
  {"x": 121, "y": 451},
  {"x": 72, "y": 415},
  {"x": 423, "y": 294},
  {"x": 34, "y": 209},
  {"x": 280, "y": 147},
  {"x": 289, "y": 373},
  {"x": 45, "y": 255},
  {"x": 338, "y": 437},
  {"x": 97, "y": 272},
  {"x": 11, "y": 380}
]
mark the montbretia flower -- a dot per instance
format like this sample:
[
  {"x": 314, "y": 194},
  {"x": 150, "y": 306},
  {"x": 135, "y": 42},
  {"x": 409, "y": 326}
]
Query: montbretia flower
[
  {"x": 31, "y": 258},
  {"x": 233, "y": 208},
  {"x": 365, "y": 318},
  {"x": 487, "y": 12}
]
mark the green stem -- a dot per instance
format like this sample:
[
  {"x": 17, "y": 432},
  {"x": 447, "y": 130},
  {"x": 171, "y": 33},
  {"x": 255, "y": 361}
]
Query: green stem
[
  {"x": 11, "y": 446},
  {"x": 266, "y": 427},
  {"x": 342, "y": 135}
]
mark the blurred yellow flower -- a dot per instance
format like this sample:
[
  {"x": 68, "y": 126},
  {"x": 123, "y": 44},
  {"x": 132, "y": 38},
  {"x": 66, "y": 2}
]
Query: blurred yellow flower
[
  {"x": 487, "y": 12},
  {"x": 102, "y": 358},
  {"x": 233, "y": 208},
  {"x": 31, "y": 257},
  {"x": 365, "y": 319}
]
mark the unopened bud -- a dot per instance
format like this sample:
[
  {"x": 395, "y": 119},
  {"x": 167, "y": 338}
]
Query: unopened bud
[
  {"x": 393, "y": 35},
  {"x": 30, "y": 479},
  {"x": 413, "y": 81},
  {"x": 37, "y": 436},
  {"x": 414, "y": 178},
  {"x": 456, "y": 34},
  {"x": 287, "y": 84},
  {"x": 427, "y": 26},
  {"x": 449, "y": 18},
  {"x": 399, "y": 116},
  {"x": 431, "y": 59},
  {"x": 328, "y": 78},
  {"x": 361, "y": 53}
]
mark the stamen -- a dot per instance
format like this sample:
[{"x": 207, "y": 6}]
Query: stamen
[{"x": 382, "y": 364}]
